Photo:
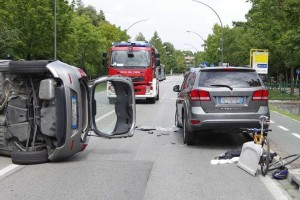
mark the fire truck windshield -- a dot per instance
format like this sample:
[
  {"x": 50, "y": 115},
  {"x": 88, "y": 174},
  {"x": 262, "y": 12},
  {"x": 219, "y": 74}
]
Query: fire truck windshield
[{"x": 125, "y": 59}]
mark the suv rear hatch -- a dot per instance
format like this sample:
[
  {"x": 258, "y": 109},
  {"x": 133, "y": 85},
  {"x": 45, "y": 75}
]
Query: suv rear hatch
[{"x": 233, "y": 90}]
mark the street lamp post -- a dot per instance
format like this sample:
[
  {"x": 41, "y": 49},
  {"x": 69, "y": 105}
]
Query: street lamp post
[
  {"x": 135, "y": 23},
  {"x": 222, "y": 40},
  {"x": 199, "y": 36},
  {"x": 196, "y": 34},
  {"x": 192, "y": 46}
]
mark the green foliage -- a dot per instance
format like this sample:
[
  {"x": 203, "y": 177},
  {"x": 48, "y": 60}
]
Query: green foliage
[
  {"x": 140, "y": 37},
  {"x": 279, "y": 95},
  {"x": 83, "y": 34}
]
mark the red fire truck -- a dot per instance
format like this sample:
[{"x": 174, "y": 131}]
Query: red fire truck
[{"x": 137, "y": 60}]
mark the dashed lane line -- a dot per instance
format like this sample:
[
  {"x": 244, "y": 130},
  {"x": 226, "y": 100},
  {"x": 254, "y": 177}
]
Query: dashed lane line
[
  {"x": 107, "y": 114},
  {"x": 8, "y": 169},
  {"x": 296, "y": 135},
  {"x": 283, "y": 128}
]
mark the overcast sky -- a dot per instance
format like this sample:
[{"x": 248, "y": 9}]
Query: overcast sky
[{"x": 172, "y": 18}]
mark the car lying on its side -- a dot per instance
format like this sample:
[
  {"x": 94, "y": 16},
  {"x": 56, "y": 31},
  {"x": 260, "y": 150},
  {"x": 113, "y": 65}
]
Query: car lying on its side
[
  {"x": 223, "y": 99},
  {"x": 48, "y": 110}
]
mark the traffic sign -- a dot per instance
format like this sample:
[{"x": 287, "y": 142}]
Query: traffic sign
[{"x": 259, "y": 60}]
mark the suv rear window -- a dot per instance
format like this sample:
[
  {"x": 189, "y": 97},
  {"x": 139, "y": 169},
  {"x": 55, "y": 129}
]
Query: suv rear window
[{"x": 236, "y": 79}]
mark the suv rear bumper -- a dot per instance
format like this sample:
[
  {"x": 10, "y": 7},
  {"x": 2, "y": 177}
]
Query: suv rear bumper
[{"x": 227, "y": 121}]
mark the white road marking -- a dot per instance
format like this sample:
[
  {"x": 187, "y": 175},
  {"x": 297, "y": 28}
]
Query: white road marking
[
  {"x": 283, "y": 128},
  {"x": 103, "y": 116},
  {"x": 8, "y": 169},
  {"x": 296, "y": 135},
  {"x": 272, "y": 122}
]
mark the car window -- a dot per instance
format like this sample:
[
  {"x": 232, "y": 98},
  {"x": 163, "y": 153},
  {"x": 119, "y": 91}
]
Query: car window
[
  {"x": 184, "y": 84},
  {"x": 188, "y": 81},
  {"x": 237, "y": 79},
  {"x": 191, "y": 80}
]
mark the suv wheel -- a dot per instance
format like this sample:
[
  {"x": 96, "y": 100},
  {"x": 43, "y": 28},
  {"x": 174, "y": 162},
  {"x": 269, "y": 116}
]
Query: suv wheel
[{"x": 188, "y": 137}]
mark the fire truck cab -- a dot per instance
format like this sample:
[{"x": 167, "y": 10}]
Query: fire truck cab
[{"x": 137, "y": 60}]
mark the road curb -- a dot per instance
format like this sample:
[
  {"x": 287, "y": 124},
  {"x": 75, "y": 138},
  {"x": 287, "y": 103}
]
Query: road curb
[{"x": 294, "y": 177}]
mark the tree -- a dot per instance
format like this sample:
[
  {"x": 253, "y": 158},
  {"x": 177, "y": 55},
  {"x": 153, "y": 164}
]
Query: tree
[
  {"x": 140, "y": 37},
  {"x": 213, "y": 46},
  {"x": 32, "y": 24},
  {"x": 91, "y": 12}
]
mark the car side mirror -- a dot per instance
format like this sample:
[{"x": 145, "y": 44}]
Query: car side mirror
[
  {"x": 176, "y": 88},
  {"x": 157, "y": 62}
]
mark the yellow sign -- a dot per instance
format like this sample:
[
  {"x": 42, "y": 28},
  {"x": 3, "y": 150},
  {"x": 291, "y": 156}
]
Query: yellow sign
[{"x": 259, "y": 58}]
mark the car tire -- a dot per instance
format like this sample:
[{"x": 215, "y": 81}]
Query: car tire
[
  {"x": 29, "y": 157},
  {"x": 188, "y": 137},
  {"x": 34, "y": 67},
  {"x": 176, "y": 121}
]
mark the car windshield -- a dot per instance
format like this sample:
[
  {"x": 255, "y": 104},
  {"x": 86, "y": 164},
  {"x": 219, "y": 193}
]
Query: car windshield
[
  {"x": 241, "y": 79},
  {"x": 123, "y": 59}
]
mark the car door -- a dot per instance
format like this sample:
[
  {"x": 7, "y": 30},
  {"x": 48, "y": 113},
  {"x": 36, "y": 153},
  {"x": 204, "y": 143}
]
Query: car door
[{"x": 116, "y": 119}]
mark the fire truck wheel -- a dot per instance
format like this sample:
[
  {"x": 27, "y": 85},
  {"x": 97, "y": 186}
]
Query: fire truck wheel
[{"x": 151, "y": 100}]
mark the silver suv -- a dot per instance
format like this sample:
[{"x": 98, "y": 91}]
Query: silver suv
[
  {"x": 223, "y": 99},
  {"x": 48, "y": 110}
]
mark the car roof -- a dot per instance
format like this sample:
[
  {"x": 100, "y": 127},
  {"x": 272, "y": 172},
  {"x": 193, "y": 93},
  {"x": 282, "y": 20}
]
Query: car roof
[{"x": 227, "y": 69}]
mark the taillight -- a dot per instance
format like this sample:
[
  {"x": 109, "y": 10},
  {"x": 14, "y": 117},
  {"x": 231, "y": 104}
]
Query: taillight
[
  {"x": 195, "y": 122},
  {"x": 229, "y": 69},
  {"x": 199, "y": 95},
  {"x": 260, "y": 95},
  {"x": 82, "y": 73},
  {"x": 83, "y": 147}
]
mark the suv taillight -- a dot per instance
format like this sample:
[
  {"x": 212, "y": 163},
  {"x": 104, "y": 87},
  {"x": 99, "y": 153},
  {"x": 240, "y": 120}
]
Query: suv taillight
[
  {"x": 260, "y": 95},
  {"x": 199, "y": 95}
]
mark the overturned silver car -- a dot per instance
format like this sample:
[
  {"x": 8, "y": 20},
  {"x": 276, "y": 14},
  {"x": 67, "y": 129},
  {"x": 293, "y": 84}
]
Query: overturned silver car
[{"x": 48, "y": 110}]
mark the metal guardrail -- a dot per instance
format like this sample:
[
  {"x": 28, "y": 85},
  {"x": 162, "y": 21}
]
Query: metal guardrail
[{"x": 284, "y": 87}]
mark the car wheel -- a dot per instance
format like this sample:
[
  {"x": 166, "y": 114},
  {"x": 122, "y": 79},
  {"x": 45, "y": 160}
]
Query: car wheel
[
  {"x": 188, "y": 137},
  {"x": 176, "y": 121},
  {"x": 34, "y": 67},
  {"x": 29, "y": 157}
]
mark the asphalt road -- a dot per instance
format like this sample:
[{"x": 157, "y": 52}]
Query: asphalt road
[{"x": 154, "y": 164}]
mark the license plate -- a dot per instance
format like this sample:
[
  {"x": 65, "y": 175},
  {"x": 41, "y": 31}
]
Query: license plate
[
  {"x": 230, "y": 100},
  {"x": 74, "y": 112}
]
